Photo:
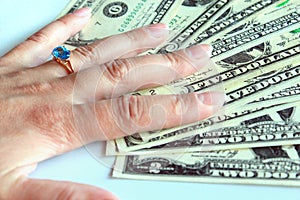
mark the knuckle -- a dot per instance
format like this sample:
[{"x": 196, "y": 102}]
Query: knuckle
[
  {"x": 172, "y": 59},
  {"x": 176, "y": 105},
  {"x": 182, "y": 105},
  {"x": 132, "y": 36},
  {"x": 67, "y": 194},
  {"x": 5, "y": 109},
  {"x": 88, "y": 53},
  {"x": 73, "y": 194},
  {"x": 39, "y": 37},
  {"x": 3, "y": 63},
  {"x": 17, "y": 76},
  {"x": 36, "y": 88},
  {"x": 117, "y": 70},
  {"x": 62, "y": 23},
  {"x": 133, "y": 111}
]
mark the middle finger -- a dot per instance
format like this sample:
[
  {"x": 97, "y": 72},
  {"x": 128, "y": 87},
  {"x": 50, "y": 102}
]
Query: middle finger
[{"x": 122, "y": 76}]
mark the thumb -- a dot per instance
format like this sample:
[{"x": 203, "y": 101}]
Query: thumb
[{"x": 31, "y": 189}]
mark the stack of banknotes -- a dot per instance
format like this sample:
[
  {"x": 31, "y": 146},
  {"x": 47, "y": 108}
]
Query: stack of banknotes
[{"x": 255, "y": 138}]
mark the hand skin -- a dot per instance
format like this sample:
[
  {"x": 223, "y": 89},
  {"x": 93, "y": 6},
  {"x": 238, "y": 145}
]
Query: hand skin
[{"x": 45, "y": 112}]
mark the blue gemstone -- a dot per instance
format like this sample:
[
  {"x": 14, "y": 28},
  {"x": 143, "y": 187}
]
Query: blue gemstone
[{"x": 61, "y": 52}]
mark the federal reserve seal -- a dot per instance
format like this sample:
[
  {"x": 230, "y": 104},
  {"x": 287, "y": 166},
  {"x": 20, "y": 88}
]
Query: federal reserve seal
[{"x": 115, "y": 9}]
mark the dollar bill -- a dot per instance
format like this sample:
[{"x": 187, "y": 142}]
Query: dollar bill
[
  {"x": 289, "y": 93},
  {"x": 187, "y": 13},
  {"x": 249, "y": 63},
  {"x": 277, "y": 165},
  {"x": 233, "y": 11},
  {"x": 256, "y": 31},
  {"x": 111, "y": 17},
  {"x": 262, "y": 30},
  {"x": 241, "y": 15},
  {"x": 191, "y": 17}
]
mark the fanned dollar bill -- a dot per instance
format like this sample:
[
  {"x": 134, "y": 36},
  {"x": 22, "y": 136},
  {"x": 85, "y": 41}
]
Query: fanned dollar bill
[
  {"x": 262, "y": 25},
  {"x": 265, "y": 84},
  {"x": 277, "y": 125},
  {"x": 192, "y": 17},
  {"x": 208, "y": 24},
  {"x": 263, "y": 29},
  {"x": 290, "y": 94},
  {"x": 277, "y": 165},
  {"x": 243, "y": 14},
  {"x": 249, "y": 63},
  {"x": 239, "y": 133},
  {"x": 217, "y": 132},
  {"x": 112, "y": 17}
]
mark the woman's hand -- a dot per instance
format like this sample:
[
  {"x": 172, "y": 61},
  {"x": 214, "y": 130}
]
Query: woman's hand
[{"x": 45, "y": 112}]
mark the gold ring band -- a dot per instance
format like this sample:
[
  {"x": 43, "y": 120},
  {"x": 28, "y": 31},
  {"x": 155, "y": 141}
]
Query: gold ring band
[{"x": 66, "y": 64}]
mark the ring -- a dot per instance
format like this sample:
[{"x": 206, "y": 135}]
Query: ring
[{"x": 62, "y": 56}]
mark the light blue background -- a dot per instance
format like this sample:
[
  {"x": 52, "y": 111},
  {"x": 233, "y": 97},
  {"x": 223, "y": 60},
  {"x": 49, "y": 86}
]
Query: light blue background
[{"x": 18, "y": 20}]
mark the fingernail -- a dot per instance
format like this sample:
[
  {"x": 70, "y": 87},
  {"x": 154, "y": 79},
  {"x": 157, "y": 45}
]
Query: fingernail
[
  {"x": 194, "y": 51},
  {"x": 158, "y": 30},
  {"x": 212, "y": 98},
  {"x": 82, "y": 12}
]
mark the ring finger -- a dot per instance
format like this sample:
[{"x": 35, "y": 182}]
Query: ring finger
[
  {"x": 123, "y": 45},
  {"x": 118, "y": 46}
]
